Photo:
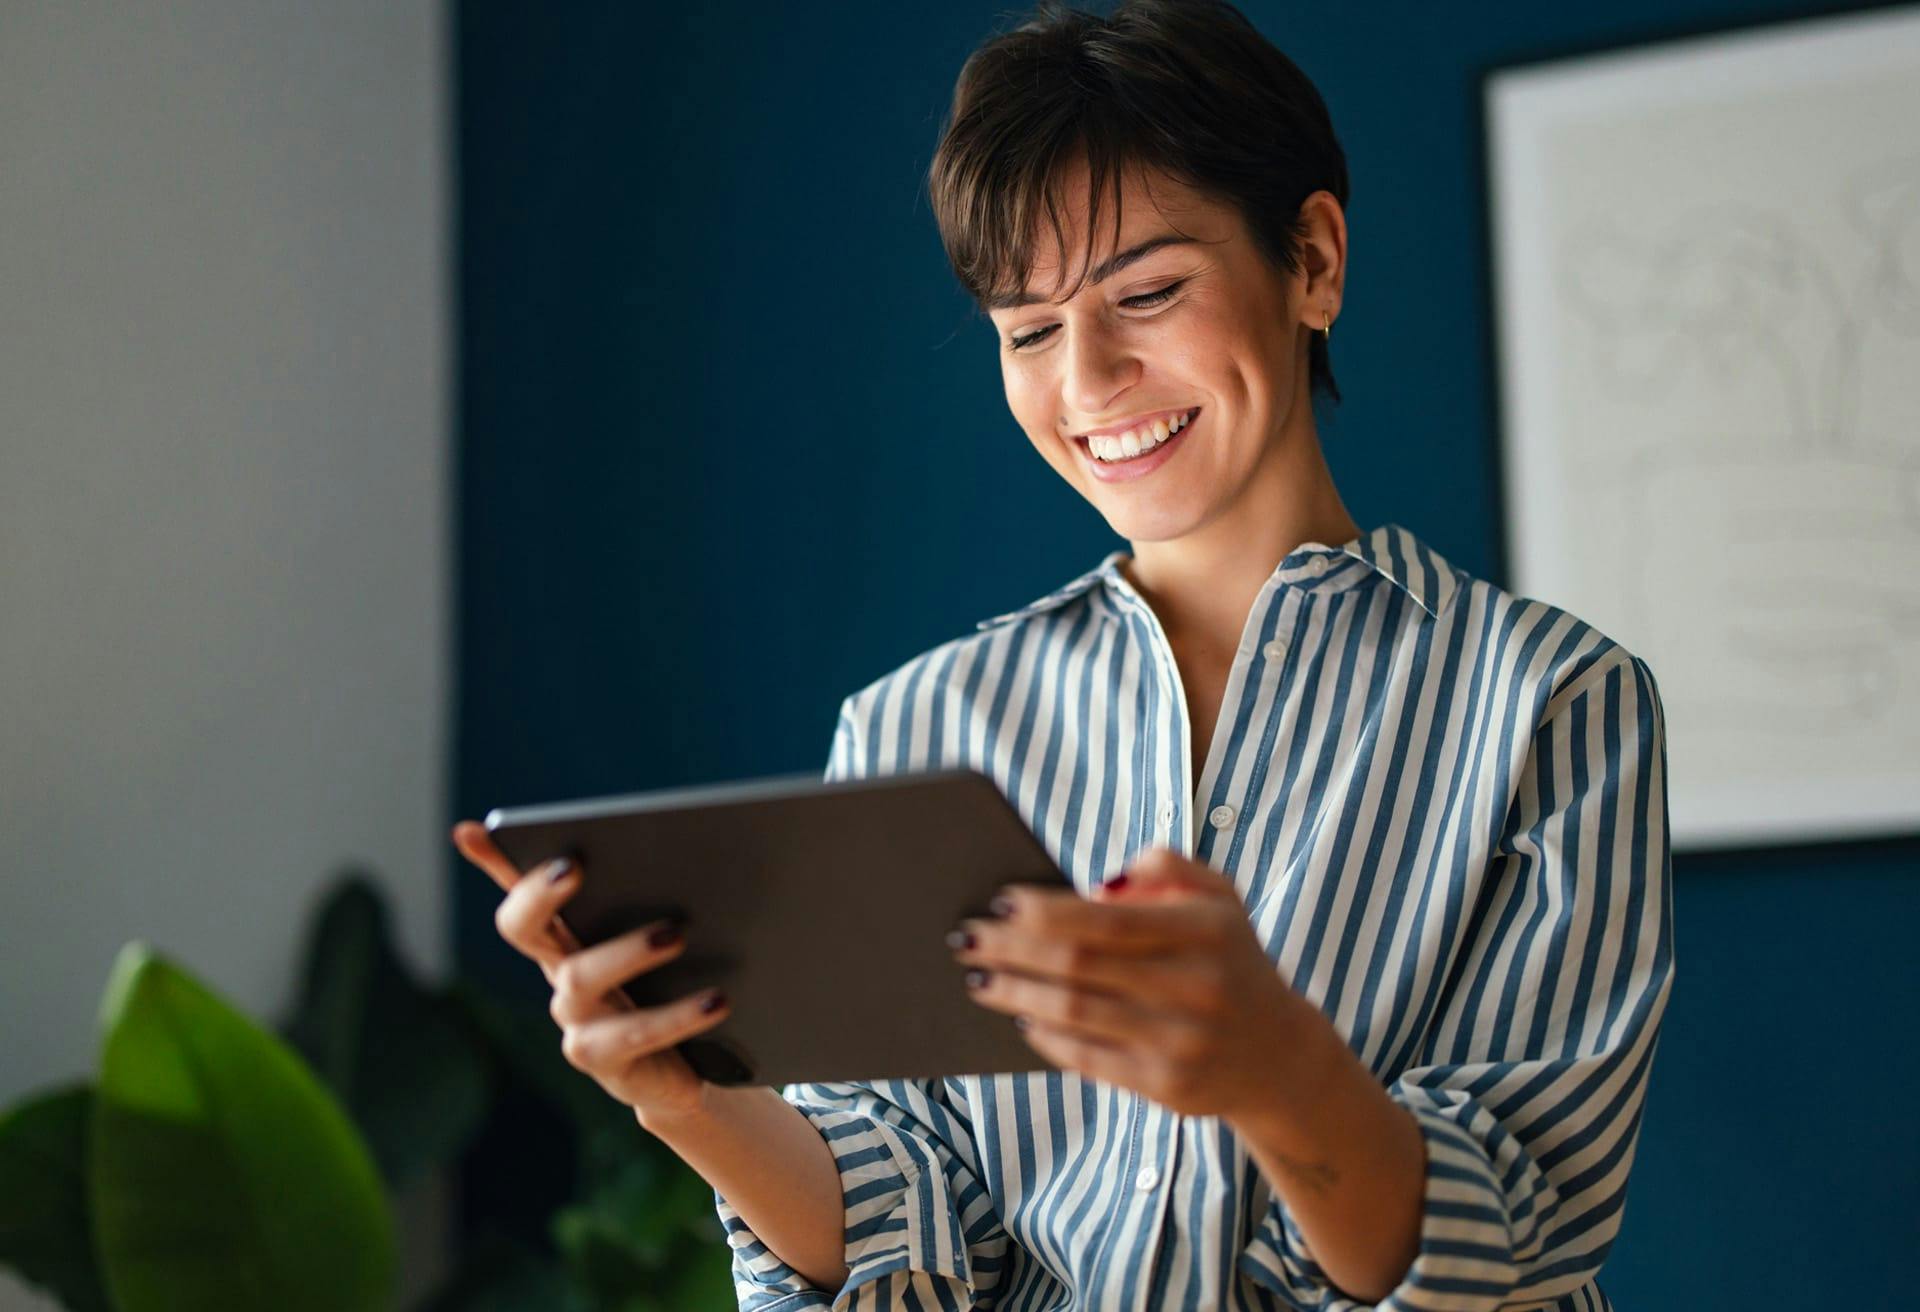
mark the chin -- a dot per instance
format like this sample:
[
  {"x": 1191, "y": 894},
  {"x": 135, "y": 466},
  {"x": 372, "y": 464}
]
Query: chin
[{"x": 1152, "y": 524}]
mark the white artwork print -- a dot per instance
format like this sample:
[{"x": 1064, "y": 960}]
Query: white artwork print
[{"x": 1707, "y": 271}]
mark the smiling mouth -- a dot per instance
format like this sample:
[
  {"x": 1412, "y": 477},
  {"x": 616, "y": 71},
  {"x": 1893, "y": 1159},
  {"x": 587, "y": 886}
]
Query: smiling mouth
[{"x": 1085, "y": 445}]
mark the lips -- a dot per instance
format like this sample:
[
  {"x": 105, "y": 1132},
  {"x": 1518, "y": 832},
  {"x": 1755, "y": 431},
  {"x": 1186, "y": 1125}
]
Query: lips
[
  {"x": 1086, "y": 446},
  {"x": 1135, "y": 425},
  {"x": 1143, "y": 465}
]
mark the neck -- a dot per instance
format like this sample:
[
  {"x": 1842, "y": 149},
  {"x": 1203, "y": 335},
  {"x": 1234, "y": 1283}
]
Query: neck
[{"x": 1202, "y": 584}]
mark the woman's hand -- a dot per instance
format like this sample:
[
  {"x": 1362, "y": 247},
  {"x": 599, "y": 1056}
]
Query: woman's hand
[
  {"x": 628, "y": 1050},
  {"x": 1156, "y": 983}
]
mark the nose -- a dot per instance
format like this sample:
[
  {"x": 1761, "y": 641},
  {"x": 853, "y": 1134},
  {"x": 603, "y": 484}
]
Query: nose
[{"x": 1097, "y": 367}]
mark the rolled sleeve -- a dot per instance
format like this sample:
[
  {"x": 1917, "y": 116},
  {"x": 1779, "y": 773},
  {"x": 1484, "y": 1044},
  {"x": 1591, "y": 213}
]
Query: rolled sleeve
[
  {"x": 919, "y": 1228},
  {"x": 1532, "y": 1077}
]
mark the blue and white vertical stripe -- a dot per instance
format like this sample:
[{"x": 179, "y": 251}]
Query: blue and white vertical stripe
[{"x": 1445, "y": 808}]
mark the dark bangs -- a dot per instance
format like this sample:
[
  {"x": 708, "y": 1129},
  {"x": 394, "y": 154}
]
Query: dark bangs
[{"x": 1185, "y": 87}]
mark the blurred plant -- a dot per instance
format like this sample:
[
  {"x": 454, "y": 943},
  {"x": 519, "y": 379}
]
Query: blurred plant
[
  {"x": 215, "y": 1165},
  {"x": 206, "y": 1167}
]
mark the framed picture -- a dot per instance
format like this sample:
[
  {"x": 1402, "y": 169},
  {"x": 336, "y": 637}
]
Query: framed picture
[{"x": 1706, "y": 281}]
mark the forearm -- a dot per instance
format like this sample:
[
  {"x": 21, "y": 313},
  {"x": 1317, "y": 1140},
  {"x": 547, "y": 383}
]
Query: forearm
[
  {"x": 768, "y": 1161},
  {"x": 1348, "y": 1162}
]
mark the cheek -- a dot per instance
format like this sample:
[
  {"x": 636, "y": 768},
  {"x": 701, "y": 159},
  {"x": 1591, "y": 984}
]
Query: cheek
[
  {"x": 1033, "y": 417},
  {"x": 1050, "y": 448}
]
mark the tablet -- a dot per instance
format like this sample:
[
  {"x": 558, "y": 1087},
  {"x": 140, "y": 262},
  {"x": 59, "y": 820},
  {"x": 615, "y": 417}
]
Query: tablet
[{"x": 821, "y": 907}]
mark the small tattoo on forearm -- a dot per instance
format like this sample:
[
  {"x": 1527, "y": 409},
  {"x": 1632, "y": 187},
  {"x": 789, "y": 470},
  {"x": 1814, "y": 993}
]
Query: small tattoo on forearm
[{"x": 1317, "y": 1176}]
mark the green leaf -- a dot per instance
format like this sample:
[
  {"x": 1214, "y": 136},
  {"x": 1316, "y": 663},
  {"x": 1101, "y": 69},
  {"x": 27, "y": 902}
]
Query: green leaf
[
  {"x": 45, "y": 1233},
  {"x": 402, "y": 1059},
  {"x": 598, "y": 1260},
  {"x": 647, "y": 1224},
  {"x": 656, "y": 1203},
  {"x": 223, "y": 1173},
  {"x": 648, "y": 1228}
]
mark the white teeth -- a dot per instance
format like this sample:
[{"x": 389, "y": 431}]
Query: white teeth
[{"x": 1135, "y": 441}]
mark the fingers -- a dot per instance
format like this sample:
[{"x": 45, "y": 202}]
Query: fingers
[
  {"x": 603, "y": 1047},
  {"x": 1000, "y": 946},
  {"x": 1093, "y": 1016},
  {"x": 1145, "y": 927},
  {"x": 584, "y": 982},
  {"x": 476, "y": 845},
  {"x": 525, "y": 916}
]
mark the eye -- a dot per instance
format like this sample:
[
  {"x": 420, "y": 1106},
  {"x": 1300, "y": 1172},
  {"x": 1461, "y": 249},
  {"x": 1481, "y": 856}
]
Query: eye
[{"x": 1144, "y": 301}]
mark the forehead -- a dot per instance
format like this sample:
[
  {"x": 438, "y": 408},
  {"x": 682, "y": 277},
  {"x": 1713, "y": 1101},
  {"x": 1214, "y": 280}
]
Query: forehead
[{"x": 1150, "y": 204}]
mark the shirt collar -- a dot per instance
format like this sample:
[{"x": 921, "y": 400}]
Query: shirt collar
[{"x": 1390, "y": 551}]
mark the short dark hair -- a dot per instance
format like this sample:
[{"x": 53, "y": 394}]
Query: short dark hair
[{"x": 1188, "y": 87}]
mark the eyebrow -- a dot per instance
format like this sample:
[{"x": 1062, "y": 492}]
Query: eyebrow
[{"x": 1101, "y": 272}]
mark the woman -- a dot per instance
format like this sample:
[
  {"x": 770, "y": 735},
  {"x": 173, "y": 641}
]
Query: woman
[{"x": 1356, "y": 998}]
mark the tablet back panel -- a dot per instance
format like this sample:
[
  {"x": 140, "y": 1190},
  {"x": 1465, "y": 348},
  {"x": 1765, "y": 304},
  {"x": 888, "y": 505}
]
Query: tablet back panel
[{"x": 821, "y": 907}]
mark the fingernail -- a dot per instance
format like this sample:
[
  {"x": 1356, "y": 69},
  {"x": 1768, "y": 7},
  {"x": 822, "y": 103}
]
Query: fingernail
[
  {"x": 664, "y": 935},
  {"x": 1001, "y": 906},
  {"x": 713, "y": 1001},
  {"x": 976, "y": 978},
  {"x": 1021, "y": 1022},
  {"x": 1117, "y": 883},
  {"x": 559, "y": 869},
  {"x": 959, "y": 939}
]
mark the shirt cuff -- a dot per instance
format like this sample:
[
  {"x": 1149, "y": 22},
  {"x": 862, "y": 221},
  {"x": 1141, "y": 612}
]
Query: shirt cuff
[
  {"x": 1465, "y": 1262},
  {"x": 902, "y": 1228}
]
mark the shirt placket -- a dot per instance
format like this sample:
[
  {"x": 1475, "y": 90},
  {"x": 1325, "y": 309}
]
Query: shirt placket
[
  {"x": 1153, "y": 1168},
  {"x": 1152, "y": 1183},
  {"x": 1186, "y": 837},
  {"x": 1256, "y": 690},
  {"x": 1263, "y": 662}
]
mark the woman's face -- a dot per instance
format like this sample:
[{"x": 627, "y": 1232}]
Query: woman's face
[{"x": 1228, "y": 341}]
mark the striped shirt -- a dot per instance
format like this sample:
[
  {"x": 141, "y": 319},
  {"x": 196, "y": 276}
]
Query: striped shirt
[{"x": 1445, "y": 809}]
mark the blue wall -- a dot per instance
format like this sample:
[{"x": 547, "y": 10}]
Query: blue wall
[{"x": 732, "y": 446}]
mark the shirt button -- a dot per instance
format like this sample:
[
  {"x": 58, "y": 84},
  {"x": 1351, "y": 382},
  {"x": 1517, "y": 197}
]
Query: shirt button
[
  {"x": 1222, "y": 816},
  {"x": 1149, "y": 1177},
  {"x": 1275, "y": 650},
  {"x": 1166, "y": 814},
  {"x": 1319, "y": 565}
]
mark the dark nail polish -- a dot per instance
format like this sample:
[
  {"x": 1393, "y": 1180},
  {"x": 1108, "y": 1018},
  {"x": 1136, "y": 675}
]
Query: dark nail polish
[
  {"x": 1001, "y": 906},
  {"x": 558, "y": 870},
  {"x": 976, "y": 978},
  {"x": 713, "y": 1001},
  {"x": 960, "y": 939},
  {"x": 663, "y": 936},
  {"x": 1117, "y": 883}
]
